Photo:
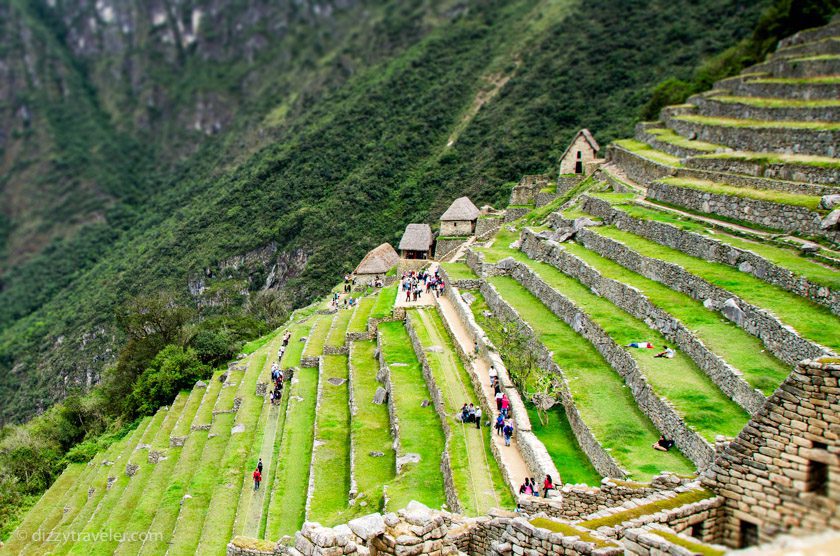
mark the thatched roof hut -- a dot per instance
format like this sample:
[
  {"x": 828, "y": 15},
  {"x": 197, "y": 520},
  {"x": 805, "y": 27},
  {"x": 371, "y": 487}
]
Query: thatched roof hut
[
  {"x": 416, "y": 242},
  {"x": 461, "y": 209},
  {"x": 378, "y": 261}
]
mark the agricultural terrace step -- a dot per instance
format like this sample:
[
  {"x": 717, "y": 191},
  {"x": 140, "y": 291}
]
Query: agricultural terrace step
[
  {"x": 605, "y": 403},
  {"x": 829, "y": 45},
  {"x": 797, "y": 67},
  {"x": 748, "y": 181},
  {"x": 814, "y": 138},
  {"x": 666, "y": 140},
  {"x": 756, "y": 108},
  {"x": 789, "y": 212},
  {"x": 779, "y": 266},
  {"x": 806, "y": 169},
  {"x": 715, "y": 284},
  {"x": 811, "y": 35},
  {"x": 813, "y": 88},
  {"x": 640, "y": 162},
  {"x": 418, "y": 437},
  {"x": 678, "y": 397}
]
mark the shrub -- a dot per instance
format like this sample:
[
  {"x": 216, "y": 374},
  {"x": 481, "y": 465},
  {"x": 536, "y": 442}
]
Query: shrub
[{"x": 172, "y": 370}]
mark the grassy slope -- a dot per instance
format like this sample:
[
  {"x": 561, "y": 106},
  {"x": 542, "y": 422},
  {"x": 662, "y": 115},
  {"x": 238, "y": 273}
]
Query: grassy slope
[
  {"x": 556, "y": 434},
  {"x": 810, "y": 202},
  {"x": 318, "y": 336},
  {"x": 384, "y": 302},
  {"x": 602, "y": 398},
  {"x": 477, "y": 476},
  {"x": 814, "y": 322},
  {"x": 420, "y": 432},
  {"x": 370, "y": 428},
  {"x": 336, "y": 336},
  {"x": 360, "y": 315}
]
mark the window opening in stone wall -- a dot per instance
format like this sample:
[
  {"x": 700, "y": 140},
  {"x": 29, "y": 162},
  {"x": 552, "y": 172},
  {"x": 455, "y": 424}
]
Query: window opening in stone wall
[
  {"x": 697, "y": 530},
  {"x": 579, "y": 163},
  {"x": 817, "y": 474},
  {"x": 749, "y": 534}
]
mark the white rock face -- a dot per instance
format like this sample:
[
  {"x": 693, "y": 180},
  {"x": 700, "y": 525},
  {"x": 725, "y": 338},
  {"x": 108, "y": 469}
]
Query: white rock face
[{"x": 368, "y": 526}]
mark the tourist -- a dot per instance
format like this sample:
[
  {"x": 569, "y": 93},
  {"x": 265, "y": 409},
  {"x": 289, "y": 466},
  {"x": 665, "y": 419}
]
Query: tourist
[
  {"x": 663, "y": 444},
  {"x": 493, "y": 374},
  {"x": 271, "y": 397},
  {"x": 666, "y": 352},
  {"x": 548, "y": 484},
  {"x": 260, "y": 466},
  {"x": 534, "y": 488},
  {"x": 257, "y": 478},
  {"x": 508, "y": 432},
  {"x": 525, "y": 488},
  {"x": 477, "y": 417},
  {"x": 640, "y": 345},
  {"x": 499, "y": 397},
  {"x": 465, "y": 413},
  {"x": 505, "y": 406},
  {"x": 500, "y": 423},
  {"x": 471, "y": 414}
]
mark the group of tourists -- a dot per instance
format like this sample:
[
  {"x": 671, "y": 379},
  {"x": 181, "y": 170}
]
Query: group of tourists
[
  {"x": 666, "y": 353},
  {"x": 349, "y": 282},
  {"x": 530, "y": 487},
  {"x": 415, "y": 283},
  {"x": 471, "y": 413},
  {"x": 277, "y": 378}
]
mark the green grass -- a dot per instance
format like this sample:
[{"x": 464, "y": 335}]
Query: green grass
[
  {"x": 359, "y": 321},
  {"x": 476, "y": 474},
  {"x": 777, "y": 102},
  {"x": 646, "y": 151},
  {"x": 758, "y": 124},
  {"x": 288, "y": 494},
  {"x": 318, "y": 336},
  {"x": 331, "y": 456},
  {"x": 811, "y": 321},
  {"x": 789, "y": 259},
  {"x": 254, "y": 345},
  {"x": 822, "y": 80},
  {"x": 420, "y": 431},
  {"x": 291, "y": 357},
  {"x": 338, "y": 333},
  {"x": 777, "y": 158},
  {"x": 569, "y": 530},
  {"x": 605, "y": 403},
  {"x": 459, "y": 271},
  {"x": 271, "y": 448},
  {"x": 385, "y": 300},
  {"x": 669, "y": 136},
  {"x": 557, "y": 436},
  {"x": 701, "y": 404},
  {"x": 369, "y": 428},
  {"x": 810, "y": 202},
  {"x": 740, "y": 349},
  {"x": 681, "y": 499},
  {"x": 694, "y": 547}
]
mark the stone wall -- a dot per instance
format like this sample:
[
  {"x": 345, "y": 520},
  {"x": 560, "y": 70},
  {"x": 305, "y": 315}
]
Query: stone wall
[
  {"x": 384, "y": 376},
  {"x": 457, "y": 227},
  {"x": 354, "y": 408},
  {"x": 520, "y": 537},
  {"x": 631, "y": 300},
  {"x": 532, "y": 450},
  {"x": 452, "y": 500},
  {"x": 488, "y": 225},
  {"x": 570, "y": 160},
  {"x": 810, "y": 91},
  {"x": 645, "y": 542},
  {"x": 790, "y": 171},
  {"x": 445, "y": 246},
  {"x": 600, "y": 458},
  {"x": 545, "y": 197},
  {"x": 781, "y": 340},
  {"x": 567, "y": 183},
  {"x": 777, "y": 216},
  {"x": 755, "y": 139},
  {"x": 782, "y": 473},
  {"x": 658, "y": 410},
  {"x": 709, "y": 106},
  {"x": 524, "y": 194},
  {"x": 696, "y": 170},
  {"x": 311, "y": 488},
  {"x": 713, "y": 250},
  {"x": 513, "y": 213},
  {"x": 639, "y": 169}
]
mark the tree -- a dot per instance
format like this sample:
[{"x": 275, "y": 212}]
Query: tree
[{"x": 172, "y": 370}]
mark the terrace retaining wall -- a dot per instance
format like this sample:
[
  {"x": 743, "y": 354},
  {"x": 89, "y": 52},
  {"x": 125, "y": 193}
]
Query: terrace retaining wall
[
  {"x": 710, "y": 249},
  {"x": 808, "y": 175},
  {"x": 631, "y": 300},
  {"x": 384, "y": 376},
  {"x": 658, "y": 410},
  {"x": 600, "y": 458},
  {"x": 781, "y": 340},
  {"x": 639, "y": 169}
]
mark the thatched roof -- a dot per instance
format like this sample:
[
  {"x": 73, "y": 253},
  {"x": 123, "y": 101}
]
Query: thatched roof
[
  {"x": 378, "y": 261},
  {"x": 461, "y": 209},
  {"x": 589, "y": 139},
  {"x": 417, "y": 237}
]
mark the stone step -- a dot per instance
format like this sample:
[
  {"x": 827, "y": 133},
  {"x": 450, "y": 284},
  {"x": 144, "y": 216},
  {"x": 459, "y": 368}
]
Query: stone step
[
  {"x": 745, "y": 205},
  {"x": 829, "y": 45},
  {"x": 664, "y": 139},
  {"x": 812, "y": 138},
  {"x": 749, "y": 181},
  {"x": 811, "y": 35},
  {"x": 815, "y": 175},
  {"x": 638, "y": 164},
  {"x": 809, "y": 66},
  {"x": 756, "y": 108},
  {"x": 815, "y": 88}
]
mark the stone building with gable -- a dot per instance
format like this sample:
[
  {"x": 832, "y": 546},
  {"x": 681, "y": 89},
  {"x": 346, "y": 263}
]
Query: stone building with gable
[
  {"x": 460, "y": 218},
  {"x": 376, "y": 264},
  {"x": 417, "y": 242},
  {"x": 582, "y": 150}
]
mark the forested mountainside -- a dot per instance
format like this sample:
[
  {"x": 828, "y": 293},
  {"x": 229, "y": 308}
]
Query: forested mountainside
[{"x": 215, "y": 149}]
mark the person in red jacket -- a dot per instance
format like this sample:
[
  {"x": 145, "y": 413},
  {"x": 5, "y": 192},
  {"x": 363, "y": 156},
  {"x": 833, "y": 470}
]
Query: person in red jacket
[{"x": 257, "y": 478}]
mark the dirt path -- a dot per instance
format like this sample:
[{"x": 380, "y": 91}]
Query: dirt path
[{"x": 511, "y": 456}]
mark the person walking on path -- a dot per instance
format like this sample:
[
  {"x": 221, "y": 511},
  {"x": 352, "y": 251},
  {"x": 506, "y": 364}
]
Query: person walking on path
[
  {"x": 260, "y": 466},
  {"x": 478, "y": 417},
  {"x": 257, "y": 478},
  {"x": 508, "y": 431},
  {"x": 500, "y": 424}
]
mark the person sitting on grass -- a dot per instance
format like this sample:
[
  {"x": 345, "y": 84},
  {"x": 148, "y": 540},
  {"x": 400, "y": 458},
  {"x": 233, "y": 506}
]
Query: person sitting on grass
[
  {"x": 640, "y": 345},
  {"x": 663, "y": 444},
  {"x": 666, "y": 352}
]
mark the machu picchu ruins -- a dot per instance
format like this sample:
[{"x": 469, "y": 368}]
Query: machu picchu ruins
[{"x": 639, "y": 355}]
